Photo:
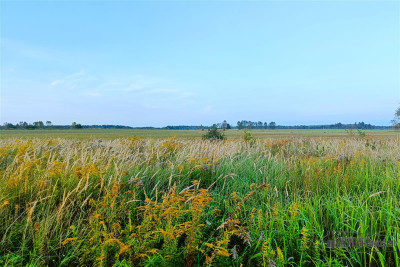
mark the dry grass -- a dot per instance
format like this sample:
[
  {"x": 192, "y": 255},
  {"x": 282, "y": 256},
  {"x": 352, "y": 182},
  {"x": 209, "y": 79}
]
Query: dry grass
[{"x": 136, "y": 201}]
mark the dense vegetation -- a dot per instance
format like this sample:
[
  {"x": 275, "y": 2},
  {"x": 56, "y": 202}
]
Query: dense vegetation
[
  {"x": 173, "y": 202},
  {"x": 213, "y": 134}
]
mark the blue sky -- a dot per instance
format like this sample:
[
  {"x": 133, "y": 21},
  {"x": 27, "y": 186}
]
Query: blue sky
[{"x": 173, "y": 63}]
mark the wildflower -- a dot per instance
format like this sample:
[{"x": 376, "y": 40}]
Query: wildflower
[
  {"x": 5, "y": 203},
  {"x": 317, "y": 248},
  {"x": 122, "y": 248},
  {"x": 264, "y": 186},
  {"x": 276, "y": 191},
  {"x": 217, "y": 212},
  {"x": 304, "y": 239},
  {"x": 337, "y": 169},
  {"x": 235, "y": 196},
  {"x": 166, "y": 233},
  {"x": 280, "y": 255},
  {"x": 275, "y": 209},
  {"x": 92, "y": 202},
  {"x": 267, "y": 252},
  {"x": 293, "y": 209},
  {"x": 100, "y": 258},
  {"x": 66, "y": 241},
  {"x": 114, "y": 190},
  {"x": 16, "y": 208},
  {"x": 116, "y": 226},
  {"x": 180, "y": 167},
  {"x": 223, "y": 252}
]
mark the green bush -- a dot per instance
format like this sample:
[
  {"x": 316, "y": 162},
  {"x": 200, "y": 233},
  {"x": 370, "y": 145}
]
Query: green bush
[
  {"x": 247, "y": 136},
  {"x": 213, "y": 134}
]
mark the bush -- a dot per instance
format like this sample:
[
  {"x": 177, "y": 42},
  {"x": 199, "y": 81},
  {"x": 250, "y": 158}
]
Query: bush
[
  {"x": 361, "y": 133},
  {"x": 247, "y": 136},
  {"x": 213, "y": 134}
]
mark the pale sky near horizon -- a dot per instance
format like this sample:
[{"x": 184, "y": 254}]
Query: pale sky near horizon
[{"x": 164, "y": 63}]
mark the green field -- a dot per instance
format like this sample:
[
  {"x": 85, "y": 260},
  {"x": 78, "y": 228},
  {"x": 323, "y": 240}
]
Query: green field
[
  {"x": 156, "y": 133},
  {"x": 288, "y": 198}
]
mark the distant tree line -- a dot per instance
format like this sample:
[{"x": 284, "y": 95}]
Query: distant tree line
[
  {"x": 339, "y": 125},
  {"x": 255, "y": 125},
  {"x": 49, "y": 125},
  {"x": 183, "y": 127},
  {"x": 243, "y": 124},
  {"x": 25, "y": 125}
]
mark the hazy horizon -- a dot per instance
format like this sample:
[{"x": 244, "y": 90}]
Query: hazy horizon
[
  {"x": 191, "y": 63},
  {"x": 232, "y": 123}
]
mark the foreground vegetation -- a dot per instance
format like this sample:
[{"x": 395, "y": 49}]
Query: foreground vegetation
[{"x": 177, "y": 202}]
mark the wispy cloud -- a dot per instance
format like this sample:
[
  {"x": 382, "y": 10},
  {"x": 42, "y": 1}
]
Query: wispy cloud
[
  {"x": 71, "y": 80},
  {"x": 137, "y": 88},
  {"x": 26, "y": 50}
]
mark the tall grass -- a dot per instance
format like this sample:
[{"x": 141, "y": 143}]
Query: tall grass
[{"x": 172, "y": 202}]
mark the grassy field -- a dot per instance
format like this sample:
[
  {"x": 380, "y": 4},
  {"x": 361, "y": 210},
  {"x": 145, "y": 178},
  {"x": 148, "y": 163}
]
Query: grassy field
[
  {"x": 92, "y": 198},
  {"x": 125, "y": 133}
]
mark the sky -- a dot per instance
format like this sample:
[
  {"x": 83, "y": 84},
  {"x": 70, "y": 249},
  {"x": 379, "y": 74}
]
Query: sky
[{"x": 164, "y": 63}]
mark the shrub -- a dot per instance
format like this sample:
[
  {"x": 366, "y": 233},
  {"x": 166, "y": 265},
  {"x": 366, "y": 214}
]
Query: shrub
[
  {"x": 213, "y": 134},
  {"x": 361, "y": 133},
  {"x": 247, "y": 136}
]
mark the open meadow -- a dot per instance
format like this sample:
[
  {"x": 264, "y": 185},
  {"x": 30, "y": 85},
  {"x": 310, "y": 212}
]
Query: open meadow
[
  {"x": 199, "y": 133},
  {"x": 283, "y": 198},
  {"x": 182, "y": 134}
]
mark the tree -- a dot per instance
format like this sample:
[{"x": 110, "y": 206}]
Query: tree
[
  {"x": 22, "y": 124},
  {"x": 396, "y": 119},
  {"x": 272, "y": 125},
  {"x": 49, "y": 124},
  {"x": 75, "y": 125},
  {"x": 9, "y": 125},
  {"x": 38, "y": 124},
  {"x": 224, "y": 124}
]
